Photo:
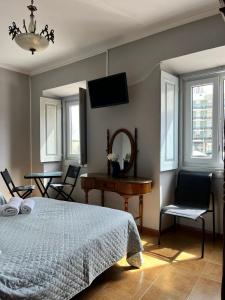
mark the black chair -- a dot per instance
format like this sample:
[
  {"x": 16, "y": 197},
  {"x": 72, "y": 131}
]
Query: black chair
[
  {"x": 22, "y": 191},
  {"x": 192, "y": 200},
  {"x": 72, "y": 173}
]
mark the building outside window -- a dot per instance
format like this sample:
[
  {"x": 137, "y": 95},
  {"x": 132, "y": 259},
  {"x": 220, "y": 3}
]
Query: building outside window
[{"x": 202, "y": 99}]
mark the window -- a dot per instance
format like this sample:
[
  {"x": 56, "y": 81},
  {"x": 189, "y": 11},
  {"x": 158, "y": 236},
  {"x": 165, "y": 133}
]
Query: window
[
  {"x": 202, "y": 121},
  {"x": 75, "y": 128},
  {"x": 63, "y": 128},
  {"x": 72, "y": 120}
]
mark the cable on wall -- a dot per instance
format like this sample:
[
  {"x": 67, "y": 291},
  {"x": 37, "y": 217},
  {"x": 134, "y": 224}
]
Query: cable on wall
[
  {"x": 146, "y": 76},
  {"x": 107, "y": 63},
  {"x": 31, "y": 141}
]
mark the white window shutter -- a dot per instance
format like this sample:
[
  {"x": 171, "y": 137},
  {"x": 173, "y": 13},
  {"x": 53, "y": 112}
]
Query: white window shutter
[
  {"x": 50, "y": 129},
  {"x": 169, "y": 122}
]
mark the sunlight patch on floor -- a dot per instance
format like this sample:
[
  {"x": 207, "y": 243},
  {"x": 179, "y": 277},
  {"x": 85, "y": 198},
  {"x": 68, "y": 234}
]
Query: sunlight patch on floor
[
  {"x": 147, "y": 243},
  {"x": 144, "y": 243},
  {"x": 149, "y": 263},
  {"x": 183, "y": 256},
  {"x": 165, "y": 252}
]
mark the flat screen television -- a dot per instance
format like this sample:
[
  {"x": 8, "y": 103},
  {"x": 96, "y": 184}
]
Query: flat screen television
[{"x": 108, "y": 91}]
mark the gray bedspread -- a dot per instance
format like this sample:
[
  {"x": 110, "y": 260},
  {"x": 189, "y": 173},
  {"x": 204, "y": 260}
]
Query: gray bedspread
[{"x": 59, "y": 249}]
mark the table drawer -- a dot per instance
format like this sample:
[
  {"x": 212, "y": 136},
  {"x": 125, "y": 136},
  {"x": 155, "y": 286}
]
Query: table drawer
[
  {"x": 87, "y": 183},
  {"x": 106, "y": 186}
]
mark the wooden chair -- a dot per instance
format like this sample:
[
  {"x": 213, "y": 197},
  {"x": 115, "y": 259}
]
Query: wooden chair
[
  {"x": 72, "y": 173},
  {"x": 192, "y": 200},
  {"x": 22, "y": 191}
]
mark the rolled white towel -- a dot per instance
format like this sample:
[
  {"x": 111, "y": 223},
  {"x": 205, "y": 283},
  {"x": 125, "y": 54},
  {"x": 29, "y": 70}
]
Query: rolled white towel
[
  {"x": 27, "y": 206},
  {"x": 12, "y": 208}
]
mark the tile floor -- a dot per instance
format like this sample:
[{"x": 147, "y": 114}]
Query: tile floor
[{"x": 172, "y": 271}]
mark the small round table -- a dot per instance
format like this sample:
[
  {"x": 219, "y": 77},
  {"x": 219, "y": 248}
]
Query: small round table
[{"x": 39, "y": 177}]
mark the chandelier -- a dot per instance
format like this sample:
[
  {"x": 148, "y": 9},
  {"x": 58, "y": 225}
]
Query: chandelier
[
  {"x": 30, "y": 40},
  {"x": 222, "y": 8}
]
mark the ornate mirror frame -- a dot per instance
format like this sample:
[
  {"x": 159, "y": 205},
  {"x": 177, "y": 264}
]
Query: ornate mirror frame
[{"x": 133, "y": 142}]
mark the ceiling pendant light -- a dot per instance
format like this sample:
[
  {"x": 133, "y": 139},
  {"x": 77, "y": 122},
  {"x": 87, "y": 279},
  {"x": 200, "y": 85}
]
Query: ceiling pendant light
[
  {"x": 222, "y": 8},
  {"x": 30, "y": 40}
]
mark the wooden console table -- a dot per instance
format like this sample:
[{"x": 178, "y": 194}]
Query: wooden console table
[{"x": 125, "y": 187}]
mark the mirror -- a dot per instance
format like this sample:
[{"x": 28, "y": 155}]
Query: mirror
[{"x": 123, "y": 147}]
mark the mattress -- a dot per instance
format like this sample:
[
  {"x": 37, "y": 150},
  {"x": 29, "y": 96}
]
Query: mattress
[{"x": 61, "y": 247}]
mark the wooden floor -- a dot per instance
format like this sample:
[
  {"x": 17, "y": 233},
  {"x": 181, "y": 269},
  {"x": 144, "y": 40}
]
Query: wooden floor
[{"x": 170, "y": 272}]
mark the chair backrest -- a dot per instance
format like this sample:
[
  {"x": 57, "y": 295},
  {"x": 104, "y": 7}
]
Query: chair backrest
[
  {"x": 8, "y": 181},
  {"x": 72, "y": 172},
  {"x": 193, "y": 189}
]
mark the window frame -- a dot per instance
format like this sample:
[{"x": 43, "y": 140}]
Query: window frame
[{"x": 194, "y": 79}]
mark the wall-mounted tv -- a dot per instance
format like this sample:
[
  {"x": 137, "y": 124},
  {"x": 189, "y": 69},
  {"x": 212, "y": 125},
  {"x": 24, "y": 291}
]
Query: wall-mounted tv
[{"x": 108, "y": 91}]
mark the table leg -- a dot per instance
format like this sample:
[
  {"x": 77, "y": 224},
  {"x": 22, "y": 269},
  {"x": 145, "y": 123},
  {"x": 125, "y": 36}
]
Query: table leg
[
  {"x": 86, "y": 196},
  {"x": 102, "y": 198},
  {"x": 141, "y": 211},
  {"x": 42, "y": 185},
  {"x": 43, "y": 190},
  {"x": 39, "y": 186},
  {"x": 46, "y": 188},
  {"x": 126, "y": 202}
]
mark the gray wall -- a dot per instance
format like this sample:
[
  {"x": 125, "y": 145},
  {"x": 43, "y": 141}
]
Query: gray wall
[
  {"x": 14, "y": 126},
  {"x": 137, "y": 59}
]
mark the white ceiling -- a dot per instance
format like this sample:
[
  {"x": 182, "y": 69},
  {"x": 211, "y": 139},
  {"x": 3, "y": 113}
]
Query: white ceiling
[
  {"x": 87, "y": 27},
  {"x": 202, "y": 60}
]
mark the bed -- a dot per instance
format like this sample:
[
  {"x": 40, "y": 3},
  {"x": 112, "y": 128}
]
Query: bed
[{"x": 59, "y": 249}]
